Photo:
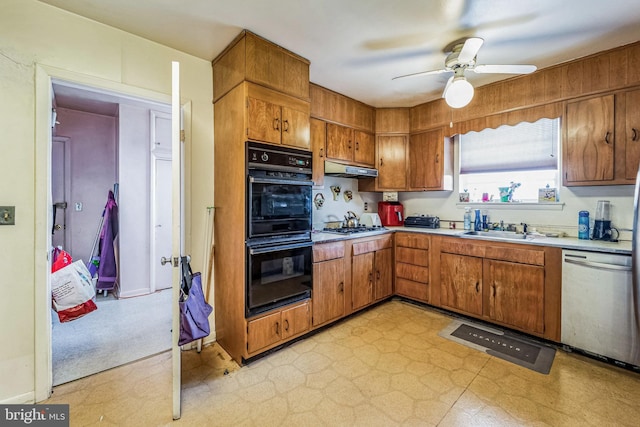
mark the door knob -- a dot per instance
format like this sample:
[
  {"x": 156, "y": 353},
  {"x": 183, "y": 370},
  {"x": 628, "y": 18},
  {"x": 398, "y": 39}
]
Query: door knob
[{"x": 165, "y": 260}]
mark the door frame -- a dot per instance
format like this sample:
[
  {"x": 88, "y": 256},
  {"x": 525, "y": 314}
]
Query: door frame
[
  {"x": 44, "y": 77},
  {"x": 67, "y": 187}
]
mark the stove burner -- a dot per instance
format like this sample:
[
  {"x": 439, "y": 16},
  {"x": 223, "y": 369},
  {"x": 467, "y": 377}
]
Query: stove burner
[{"x": 349, "y": 230}]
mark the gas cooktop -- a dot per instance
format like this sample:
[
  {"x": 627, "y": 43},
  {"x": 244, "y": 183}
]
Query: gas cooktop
[{"x": 349, "y": 230}]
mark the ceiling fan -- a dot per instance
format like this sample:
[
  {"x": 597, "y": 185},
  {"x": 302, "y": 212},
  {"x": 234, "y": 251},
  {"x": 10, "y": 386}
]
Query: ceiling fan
[{"x": 461, "y": 57}]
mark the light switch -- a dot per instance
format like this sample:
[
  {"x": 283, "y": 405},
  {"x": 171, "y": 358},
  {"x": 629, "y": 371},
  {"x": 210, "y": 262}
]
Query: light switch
[{"x": 7, "y": 215}]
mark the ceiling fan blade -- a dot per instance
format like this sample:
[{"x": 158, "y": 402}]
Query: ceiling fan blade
[
  {"x": 470, "y": 49},
  {"x": 422, "y": 73},
  {"x": 503, "y": 69},
  {"x": 444, "y": 92}
]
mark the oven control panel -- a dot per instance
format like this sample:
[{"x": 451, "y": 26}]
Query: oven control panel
[{"x": 261, "y": 156}]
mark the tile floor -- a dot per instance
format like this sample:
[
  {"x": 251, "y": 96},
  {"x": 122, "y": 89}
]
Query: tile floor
[{"x": 384, "y": 367}]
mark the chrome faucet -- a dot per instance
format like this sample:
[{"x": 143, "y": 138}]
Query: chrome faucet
[{"x": 525, "y": 227}]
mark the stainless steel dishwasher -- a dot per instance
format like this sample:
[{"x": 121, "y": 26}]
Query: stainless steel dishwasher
[{"x": 597, "y": 304}]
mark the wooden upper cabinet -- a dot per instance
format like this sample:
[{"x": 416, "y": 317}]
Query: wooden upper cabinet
[
  {"x": 350, "y": 145},
  {"x": 276, "y": 118},
  {"x": 318, "y": 132},
  {"x": 632, "y": 133},
  {"x": 588, "y": 155},
  {"x": 392, "y": 162},
  {"x": 252, "y": 58},
  {"x": 364, "y": 148},
  {"x": 430, "y": 161}
]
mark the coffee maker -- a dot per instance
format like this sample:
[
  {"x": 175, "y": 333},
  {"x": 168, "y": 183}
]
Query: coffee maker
[{"x": 602, "y": 229}]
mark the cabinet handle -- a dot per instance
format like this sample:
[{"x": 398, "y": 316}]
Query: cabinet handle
[
  {"x": 437, "y": 158},
  {"x": 286, "y": 325},
  {"x": 380, "y": 161},
  {"x": 606, "y": 138},
  {"x": 634, "y": 136},
  {"x": 477, "y": 287},
  {"x": 341, "y": 287},
  {"x": 494, "y": 289},
  {"x": 277, "y": 328},
  {"x": 285, "y": 126},
  {"x": 321, "y": 152},
  {"x": 370, "y": 276},
  {"x": 350, "y": 145},
  {"x": 378, "y": 275},
  {"x": 357, "y": 146},
  {"x": 276, "y": 124}
]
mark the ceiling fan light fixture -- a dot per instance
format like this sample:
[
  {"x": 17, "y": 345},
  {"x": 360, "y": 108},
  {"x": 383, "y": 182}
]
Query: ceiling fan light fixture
[{"x": 459, "y": 93}]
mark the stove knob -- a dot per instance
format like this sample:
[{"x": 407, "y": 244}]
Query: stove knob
[{"x": 264, "y": 157}]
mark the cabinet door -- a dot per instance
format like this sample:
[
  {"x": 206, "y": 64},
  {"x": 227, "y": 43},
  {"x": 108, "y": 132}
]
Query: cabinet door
[
  {"x": 296, "y": 77},
  {"x": 263, "y": 332},
  {"x": 516, "y": 294},
  {"x": 426, "y": 160},
  {"x": 295, "y": 128},
  {"x": 461, "y": 282},
  {"x": 318, "y": 135},
  {"x": 588, "y": 153},
  {"x": 295, "y": 320},
  {"x": 339, "y": 142},
  {"x": 362, "y": 278},
  {"x": 265, "y": 63},
  {"x": 384, "y": 273},
  {"x": 365, "y": 149},
  {"x": 263, "y": 121},
  {"x": 632, "y": 133},
  {"x": 392, "y": 162},
  {"x": 328, "y": 290}
]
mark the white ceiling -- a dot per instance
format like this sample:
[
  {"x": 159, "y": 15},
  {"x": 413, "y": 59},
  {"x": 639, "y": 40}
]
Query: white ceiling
[{"x": 357, "y": 46}]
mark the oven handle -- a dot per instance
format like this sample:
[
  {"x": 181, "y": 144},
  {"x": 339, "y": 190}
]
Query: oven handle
[
  {"x": 279, "y": 181},
  {"x": 277, "y": 248}
]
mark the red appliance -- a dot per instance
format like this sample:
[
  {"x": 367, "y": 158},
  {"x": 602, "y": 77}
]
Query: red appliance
[{"x": 391, "y": 213}]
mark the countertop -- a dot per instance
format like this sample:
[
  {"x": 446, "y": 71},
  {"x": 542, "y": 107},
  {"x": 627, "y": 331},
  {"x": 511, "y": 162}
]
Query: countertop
[{"x": 622, "y": 247}]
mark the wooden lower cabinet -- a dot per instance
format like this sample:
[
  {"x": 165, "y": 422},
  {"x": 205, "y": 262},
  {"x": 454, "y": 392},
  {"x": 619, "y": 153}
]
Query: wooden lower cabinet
[
  {"x": 461, "y": 283},
  {"x": 371, "y": 271},
  {"x": 277, "y": 327},
  {"x": 328, "y": 282},
  {"x": 412, "y": 266},
  {"x": 515, "y": 285},
  {"x": 515, "y": 294}
]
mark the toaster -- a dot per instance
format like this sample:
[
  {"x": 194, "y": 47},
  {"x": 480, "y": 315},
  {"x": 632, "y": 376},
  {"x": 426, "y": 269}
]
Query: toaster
[
  {"x": 370, "y": 220},
  {"x": 422, "y": 221}
]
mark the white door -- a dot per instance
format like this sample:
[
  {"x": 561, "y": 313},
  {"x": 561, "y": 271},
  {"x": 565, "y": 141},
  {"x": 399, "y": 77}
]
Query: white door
[
  {"x": 161, "y": 195},
  {"x": 177, "y": 241},
  {"x": 59, "y": 190}
]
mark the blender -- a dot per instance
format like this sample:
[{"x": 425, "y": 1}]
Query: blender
[{"x": 602, "y": 229}]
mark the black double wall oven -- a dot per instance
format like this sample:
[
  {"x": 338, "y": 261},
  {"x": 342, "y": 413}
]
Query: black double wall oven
[{"x": 278, "y": 227}]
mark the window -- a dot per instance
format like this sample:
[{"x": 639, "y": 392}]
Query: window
[{"x": 526, "y": 153}]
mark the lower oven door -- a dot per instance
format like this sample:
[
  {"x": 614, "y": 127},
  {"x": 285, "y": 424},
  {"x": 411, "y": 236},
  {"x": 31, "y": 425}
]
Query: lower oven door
[{"x": 278, "y": 275}]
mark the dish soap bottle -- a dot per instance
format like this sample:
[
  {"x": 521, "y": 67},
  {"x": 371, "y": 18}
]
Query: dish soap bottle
[
  {"x": 478, "y": 220},
  {"x": 467, "y": 218}
]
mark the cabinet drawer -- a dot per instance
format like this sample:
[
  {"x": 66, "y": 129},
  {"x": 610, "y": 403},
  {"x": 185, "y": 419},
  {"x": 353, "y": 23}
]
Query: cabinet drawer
[
  {"x": 413, "y": 256},
  {"x": 363, "y": 247},
  {"x": 412, "y": 240},
  {"x": 412, "y": 272},
  {"x": 327, "y": 251},
  {"x": 522, "y": 256},
  {"x": 464, "y": 247},
  {"x": 411, "y": 289}
]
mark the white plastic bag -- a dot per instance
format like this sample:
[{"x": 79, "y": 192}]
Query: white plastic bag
[{"x": 72, "y": 291}]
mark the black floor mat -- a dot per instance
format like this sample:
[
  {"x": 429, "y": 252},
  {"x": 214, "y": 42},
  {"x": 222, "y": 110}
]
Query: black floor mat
[{"x": 518, "y": 350}]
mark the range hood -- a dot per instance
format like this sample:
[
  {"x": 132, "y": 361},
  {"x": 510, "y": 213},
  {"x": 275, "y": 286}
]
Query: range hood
[{"x": 348, "y": 171}]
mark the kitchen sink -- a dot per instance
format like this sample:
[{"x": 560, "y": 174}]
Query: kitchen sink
[{"x": 495, "y": 234}]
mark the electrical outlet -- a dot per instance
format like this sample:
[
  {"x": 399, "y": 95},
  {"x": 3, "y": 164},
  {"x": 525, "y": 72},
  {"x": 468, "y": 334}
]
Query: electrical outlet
[{"x": 7, "y": 215}]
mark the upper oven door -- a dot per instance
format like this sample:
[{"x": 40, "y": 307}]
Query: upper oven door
[{"x": 278, "y": 207}]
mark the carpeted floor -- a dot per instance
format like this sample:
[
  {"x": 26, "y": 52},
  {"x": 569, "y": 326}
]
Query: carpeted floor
[{"x": 118, "y": 332}]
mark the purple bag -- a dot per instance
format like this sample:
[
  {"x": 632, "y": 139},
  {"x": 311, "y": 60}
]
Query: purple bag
[{"x": 194, "y": 310}]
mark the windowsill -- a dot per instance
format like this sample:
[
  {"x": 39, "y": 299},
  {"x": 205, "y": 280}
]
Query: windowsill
[{"x": 544, "y": 206}]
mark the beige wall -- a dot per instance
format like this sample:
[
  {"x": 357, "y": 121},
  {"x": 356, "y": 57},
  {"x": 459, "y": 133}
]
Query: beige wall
[{"x": 36, "y": 37}]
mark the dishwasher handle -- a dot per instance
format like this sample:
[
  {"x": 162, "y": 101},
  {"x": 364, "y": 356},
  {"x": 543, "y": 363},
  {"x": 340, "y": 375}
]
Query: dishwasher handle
[{"x": 598, "y": 265}]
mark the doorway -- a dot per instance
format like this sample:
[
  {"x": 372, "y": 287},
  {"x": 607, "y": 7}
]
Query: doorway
[{"x": 112, "y": 142}]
